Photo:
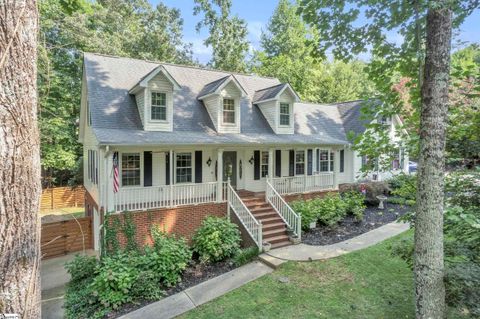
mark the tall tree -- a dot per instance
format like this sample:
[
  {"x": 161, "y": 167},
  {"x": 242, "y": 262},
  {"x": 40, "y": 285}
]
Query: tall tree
[
  {"x": 20, "y": 158},
  {"x": 424, "y": 55},
  {"x": 227, "y": 34}
]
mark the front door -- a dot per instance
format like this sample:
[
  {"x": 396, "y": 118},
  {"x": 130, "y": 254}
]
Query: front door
[{"x": 230, "y": 167}]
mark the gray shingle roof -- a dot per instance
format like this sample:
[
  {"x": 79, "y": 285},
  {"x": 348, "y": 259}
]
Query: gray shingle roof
[
  {"x": 115, "y": 117},
  {"x": 351, "y": 115},
  {"x": 213, "y": 86},
  {"x": 267, "y": 93}
]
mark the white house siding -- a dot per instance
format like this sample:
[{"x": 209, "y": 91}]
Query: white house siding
[
  {"x": 159, "y": 83},
  {"x": 212, "y": 105},
  {"x": 140, "y": 99},
  {"x": 269, "y": 111},
  {"x": 90, "y": 143},
  {"x": 285, "y": 97}
]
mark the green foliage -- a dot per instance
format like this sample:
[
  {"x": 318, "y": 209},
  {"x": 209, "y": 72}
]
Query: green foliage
[
  {"x": 404, "y": 249},
  {"x": 168, "y": 257},
  {"x": 129, "y": 230},
  {"x": 146, "y": 287},
  {"x": 227, "y": 34},
  {"x": 404, "y": 186},
  {"x": 462, "y": 280},
  {"x": 308, "y": 210},
  {"x": 216, "y": 239},
  {"x": 372, "y": 190},
  {"x": 355, "y": 203},
  {"x": 111, "y": 227},
  {"x": 331, "y": 208},
  {"x": 81, "y": 267},
  {"x": 464, "y": 188},
  {"x": 244, "y": 256}
]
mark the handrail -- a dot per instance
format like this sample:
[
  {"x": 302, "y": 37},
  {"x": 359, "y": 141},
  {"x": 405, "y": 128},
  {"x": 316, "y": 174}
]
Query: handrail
[
  {"x": 303, "y": 183},
  {"x": 292, "y": 219},
  {"x": 246, "y": 218}
]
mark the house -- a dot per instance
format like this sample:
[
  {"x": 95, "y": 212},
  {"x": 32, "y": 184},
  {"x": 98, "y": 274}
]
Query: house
[{"x": 175, "y": 143}]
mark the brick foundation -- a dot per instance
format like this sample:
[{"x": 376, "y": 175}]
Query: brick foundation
[
  {"x": 307, "y": 196},
  {"x": 181, "y": 221},
  {"x": 247, "y": 241}
]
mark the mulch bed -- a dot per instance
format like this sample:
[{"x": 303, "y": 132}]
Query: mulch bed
[
  {"x": 350, "y": 227},
  {"x": 195, "y": 274}
]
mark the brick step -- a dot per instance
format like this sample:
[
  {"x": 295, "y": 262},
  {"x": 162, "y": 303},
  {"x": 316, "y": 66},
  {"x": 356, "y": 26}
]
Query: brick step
[
  {"x": 264, "y": 215},
  {"x": 257, "y": 205},
  {"x": 262, "y": 210},
  {"x": 281, "y": 244},
  {"x": 267, "y": 227},
  {"x": 270, "y": 220},
  {"x": 252, "y": 199},
  {"x": 276, "y": 239},
  {"x": 274, "y": 232}
]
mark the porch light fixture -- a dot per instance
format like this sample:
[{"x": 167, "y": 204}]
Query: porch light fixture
[
  {"x": 251, "y": 160},
  {"x": 209, "y": 162}
]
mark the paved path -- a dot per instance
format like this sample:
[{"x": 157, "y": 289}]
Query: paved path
[
  {"x": 192, "y": 297},
  {"x": 304, "y": 252}
]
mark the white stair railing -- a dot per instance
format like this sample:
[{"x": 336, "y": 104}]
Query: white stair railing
[
  {"x": 249, "y": 222},
  {"x": 292, "y": 219}
]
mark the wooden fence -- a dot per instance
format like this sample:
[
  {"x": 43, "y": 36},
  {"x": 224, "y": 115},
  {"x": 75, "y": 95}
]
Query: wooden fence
[
  {"x": 61, "y": 197},
  {"x": 60, "y": 238}
]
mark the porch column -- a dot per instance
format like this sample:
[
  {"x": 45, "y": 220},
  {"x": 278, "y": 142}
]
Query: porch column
[
  {"x": 305, "y": 168},
  {"x": 172, "y": 177},
  {"x": 270, "y": 163},
  {"x": 109, "y": 200},
  {"x": 219, "y": 175},
  {"x": 336, "y": 167}
]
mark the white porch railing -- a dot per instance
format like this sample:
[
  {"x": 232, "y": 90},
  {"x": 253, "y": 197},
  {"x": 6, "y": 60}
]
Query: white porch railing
[
  {"x": 249, "y": 222},
  {"x": 301, "y": 184},
  {"x": 151, "y": 197},
  {"x": 292, "y": 219}
]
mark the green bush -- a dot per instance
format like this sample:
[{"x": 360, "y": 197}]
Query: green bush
[
  {"x": 167, "y": 258},
  {"x": 464, "y": 189},
  {"x": 355, "y": 203},
  {"x": 216, "y": 239},
  {"x": 81, "y": 267},
  {"x": 462, "y": 282},
  {"x": 404, "y": 186},
  {"x": 244, "y": 256},
  {"x": 331, "y": 209},
  {"x": 372, "y": 190},
  {"x": 146, "y": 287},
  {"x": 308, "y": 211},
  {"x": 404, "y": 249}
]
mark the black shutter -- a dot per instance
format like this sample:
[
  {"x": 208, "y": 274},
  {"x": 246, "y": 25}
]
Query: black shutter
[
  {"x": 318, "y": 161},
  {"x": 198, "y": 166},
  {"x": 342, "y": 161},
  {"x": 256, "y": 165},
  {"x": 167, "y": 168},
  {"x": 291, "y": 163},
  {"x": 278, "y": 163},
  {"x": 309, "y": 162},
  {"x": 147, "y": 168}
]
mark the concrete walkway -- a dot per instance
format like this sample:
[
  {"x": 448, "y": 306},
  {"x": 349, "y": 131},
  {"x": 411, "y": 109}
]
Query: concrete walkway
[
  {"x": 304, "y": 252},
  {"x": 192, "y": 297},
  {"x": 54, "y": 277}
]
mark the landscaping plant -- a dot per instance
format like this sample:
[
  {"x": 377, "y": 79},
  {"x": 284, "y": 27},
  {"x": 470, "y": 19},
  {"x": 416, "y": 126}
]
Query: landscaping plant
[
  {"x": 332, "y": 209},
  {"x": 244, "y": 256},
  {"x": 216, "y": 239},
  {"x": 308, "y": 211},
  {"x": 355, "y": 203}
]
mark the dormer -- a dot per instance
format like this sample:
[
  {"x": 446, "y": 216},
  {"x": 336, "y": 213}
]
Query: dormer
[
  {"x": 277, "y": 103},
  {"x": 154, "y": 97},
  {"x": 222, "y": 100}
]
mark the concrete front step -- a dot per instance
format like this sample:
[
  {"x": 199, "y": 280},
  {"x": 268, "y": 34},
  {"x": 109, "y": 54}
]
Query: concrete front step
[{"x": 281, "y": 244}]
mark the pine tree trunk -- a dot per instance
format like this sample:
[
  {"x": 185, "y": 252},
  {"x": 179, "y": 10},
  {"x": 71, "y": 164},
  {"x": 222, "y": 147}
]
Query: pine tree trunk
[
  {"x": 429, "y": 269},
  {"x": 20, "y": 160}
]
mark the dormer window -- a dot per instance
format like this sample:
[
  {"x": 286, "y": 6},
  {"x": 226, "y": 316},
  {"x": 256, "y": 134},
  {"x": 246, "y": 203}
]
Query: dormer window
[
  {"x": 159, "y": 106},
  {"x": 284, "y": 114},
  {"x": 229, "y": 111}
]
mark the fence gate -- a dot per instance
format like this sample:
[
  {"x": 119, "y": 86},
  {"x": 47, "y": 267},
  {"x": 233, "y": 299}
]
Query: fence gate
[{"x": 60, "y": 238}]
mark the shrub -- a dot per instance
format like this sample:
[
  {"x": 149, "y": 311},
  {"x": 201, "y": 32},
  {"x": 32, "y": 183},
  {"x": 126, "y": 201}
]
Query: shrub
[
  {"x": 462, "y": 280},
  {"x": 331, "y": 208},
  {"x": 404, "y": 249},
  {"x": 308, "y": 211},
  {"x": 168, "y": 257},
  {"x": 244, "y": 256},
  {"x": 216, "y": 239},
  {"x": 464, "y": 188},
  {"x": 355, "y": 203},
  {"x": 146, "y": 287},
  {"x": 404, "y": 186},
  {"x": 372, "y": 190},
  {"x": 81, "y": 267}
]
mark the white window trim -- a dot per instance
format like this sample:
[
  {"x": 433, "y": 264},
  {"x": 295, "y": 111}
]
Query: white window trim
[
  {"x": 235, "y": 110},
  {"x": 120, "y": 170},
  {"x": 304, "y": 162},
  {"x": 280, "y": 114},
  {"x": 150, "y": 92},
  {"x": 329, "y": 169},
  {"x": 192, "y": 155},
  {"x": 261, "y": 163}
]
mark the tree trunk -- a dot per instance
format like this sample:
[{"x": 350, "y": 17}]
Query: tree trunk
[
  {"x": 429, "y": 269},
  {"x": 20, "y": 160}
]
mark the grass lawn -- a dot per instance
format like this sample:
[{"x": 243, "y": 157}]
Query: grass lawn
[{"x": 370, "y": 283}]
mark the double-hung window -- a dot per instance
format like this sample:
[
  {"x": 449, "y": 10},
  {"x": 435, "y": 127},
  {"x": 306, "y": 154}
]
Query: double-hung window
[
  {"x": 130, "y": 169},
  {"x": 299, "y": 162},
  {"x": 184, "y": 167},
  {"x": 229, "y": 111},
  {"x": 284, "y": 114},
  {"x": 159, "y": 106},
  {"x": 264, "y": 164},
  {"x": 324, "y": 160}
]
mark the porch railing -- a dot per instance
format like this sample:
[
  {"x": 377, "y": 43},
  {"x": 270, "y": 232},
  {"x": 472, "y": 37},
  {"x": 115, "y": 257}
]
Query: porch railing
[
  {"x": 249, "y": 222},
  {"x": 292, "y": 219},
  {"x": 305, "y": 183},
  {"x": 143, "y": 198}
]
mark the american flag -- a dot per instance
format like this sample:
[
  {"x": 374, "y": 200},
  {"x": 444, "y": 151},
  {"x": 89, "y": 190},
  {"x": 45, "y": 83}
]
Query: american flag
[{"x": 115, "y": 172}]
